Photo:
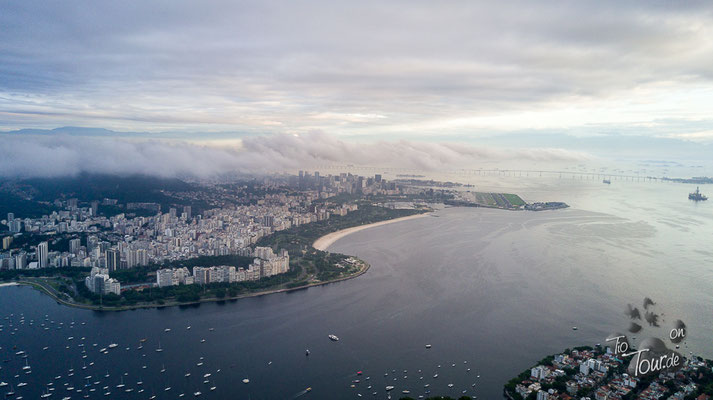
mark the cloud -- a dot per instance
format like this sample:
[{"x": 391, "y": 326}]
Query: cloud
[
  {"x": 51, "y": 155},
  {"x": 394, "y": 68}
]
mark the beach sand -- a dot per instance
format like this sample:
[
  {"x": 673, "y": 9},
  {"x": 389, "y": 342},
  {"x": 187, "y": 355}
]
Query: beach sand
[{"x": 327, "y": 240}]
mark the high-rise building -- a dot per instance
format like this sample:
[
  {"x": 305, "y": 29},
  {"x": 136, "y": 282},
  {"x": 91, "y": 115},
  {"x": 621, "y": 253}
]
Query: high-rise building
[
  {"x": 74, "y": 245},
  {"x": 187, "y": 211},
  {"x": 172, "y": 212},
  {"x": 6, "y": 242},
  {"x": 95, "y": 208},
  {"x": 113, "y": 260},
  {"x": 42, "y": 255},
  {"x": 10, "y": 216},
  {"x": 21, "y": 261},
  {"x": 15, "y": 225},
  {"x": 99, "y": 282},
  {"x": 132, "y": 258},
  {"x": 92, "y": 243},
  {"x": 142, "y": 257}
]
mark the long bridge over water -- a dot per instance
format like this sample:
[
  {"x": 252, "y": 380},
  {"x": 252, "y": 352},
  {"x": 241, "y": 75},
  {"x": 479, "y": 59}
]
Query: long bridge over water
[{"x": 582, "y": 175}]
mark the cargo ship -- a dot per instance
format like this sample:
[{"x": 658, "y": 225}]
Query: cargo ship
[{"x": 697, "y": 196}]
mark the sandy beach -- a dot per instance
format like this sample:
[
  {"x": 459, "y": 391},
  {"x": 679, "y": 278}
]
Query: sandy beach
[{"x": 327, "y": 240}]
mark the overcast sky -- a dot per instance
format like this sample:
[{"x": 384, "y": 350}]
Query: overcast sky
[{"x": 406, "y": 69}]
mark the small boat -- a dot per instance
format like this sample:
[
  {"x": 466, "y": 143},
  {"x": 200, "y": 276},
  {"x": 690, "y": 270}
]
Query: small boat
[
  {"x": 159, "y": 349},
  {"x": 428, "y": 346},
  {"x": 307, "y": 352},
  {"x": 167, "y": 330},
  {"x": 113, "y": 345},
  {"x": 309, "y": 389},
  {"x": 196, "y": 394},
  {"x": 574, "y": 328},
  {"x": 333, "y": 338},
  {"x": 246, "y": 381},
  {"x": 389, "y": 388}
]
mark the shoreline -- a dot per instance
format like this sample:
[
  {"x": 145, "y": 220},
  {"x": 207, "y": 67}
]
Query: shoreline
[
  {"x": 41, "y": 287},
  {"x": 319, "y": 244},
  {"x": 327, "y": 240}
]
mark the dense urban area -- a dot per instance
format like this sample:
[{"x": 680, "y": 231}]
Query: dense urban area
[
  {"x": 597, "y": 374},
  {"x": 111, "y": 253}
]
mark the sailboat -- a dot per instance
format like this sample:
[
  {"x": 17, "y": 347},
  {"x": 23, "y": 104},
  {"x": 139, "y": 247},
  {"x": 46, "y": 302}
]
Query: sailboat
[{"x": 159, "y": 348}]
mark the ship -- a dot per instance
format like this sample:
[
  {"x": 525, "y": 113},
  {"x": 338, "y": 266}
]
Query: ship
[
  {"x": 607, "y": 181},
  {"x": 333, "y": 338},
  {"x": 697, "y": 196}
]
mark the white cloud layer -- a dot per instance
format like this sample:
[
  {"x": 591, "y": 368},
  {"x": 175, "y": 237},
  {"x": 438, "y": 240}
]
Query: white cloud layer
[{"x": 27, "y": 155}]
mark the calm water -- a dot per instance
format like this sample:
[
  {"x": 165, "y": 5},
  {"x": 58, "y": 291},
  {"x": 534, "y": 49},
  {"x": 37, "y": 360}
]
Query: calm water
[{"x": 496, "y": 289}]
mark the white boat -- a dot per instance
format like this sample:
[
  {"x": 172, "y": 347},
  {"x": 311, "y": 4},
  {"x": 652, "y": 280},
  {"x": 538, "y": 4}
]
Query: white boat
[
  {"x": 159, "y": 349},
  {"x": 428, "y": 346},
  {"x": 196, "y": 394},
  {"x": 333, "y": 338},
  {"x": 389, "y": 388},
  {"x": 246, "y": 381},
  {"x": 113, "y": 345},
  {"x": 167, "y": 330}
]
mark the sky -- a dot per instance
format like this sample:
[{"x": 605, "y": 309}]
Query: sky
[{"x": 480, "y": 73}]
